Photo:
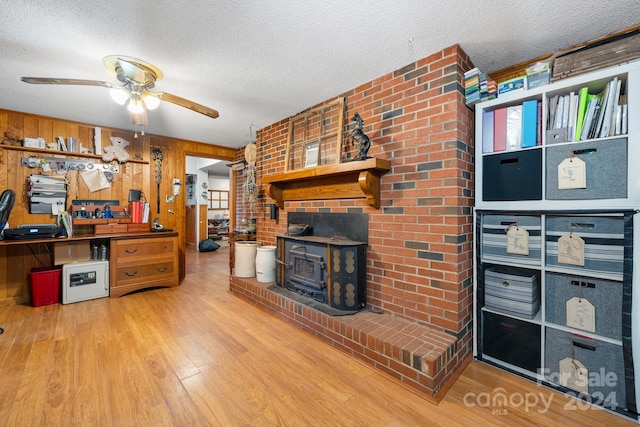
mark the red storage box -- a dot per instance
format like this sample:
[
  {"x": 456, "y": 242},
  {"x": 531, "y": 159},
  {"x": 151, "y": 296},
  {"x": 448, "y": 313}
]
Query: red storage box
[{"x": 45, "y": 285}]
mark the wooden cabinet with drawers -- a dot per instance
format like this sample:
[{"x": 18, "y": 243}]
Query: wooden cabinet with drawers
[{"x": 144, "y": 262}]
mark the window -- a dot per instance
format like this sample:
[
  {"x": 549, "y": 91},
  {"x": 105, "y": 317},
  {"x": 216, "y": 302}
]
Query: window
[
  {"x": 315, "y": 137},
  {"x": 218, "y": 200}
]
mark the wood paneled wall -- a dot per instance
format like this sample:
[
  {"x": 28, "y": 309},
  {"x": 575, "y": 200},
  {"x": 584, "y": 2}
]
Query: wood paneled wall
[{"x": 139, "y": 174}]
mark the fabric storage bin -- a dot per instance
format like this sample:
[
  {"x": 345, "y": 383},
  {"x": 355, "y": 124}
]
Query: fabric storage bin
[
  {"x": 512, "y": 291},
  {"x": 604, "y": 363},
  {"x": 494, "y": 239},
  {"x": 606, "y": 170},
  {"x": 512, "y": 176},
  {"x": 603, "y": 237},
  {"x": 513, "y": 341},
  {"x": 604, "y": 295}
]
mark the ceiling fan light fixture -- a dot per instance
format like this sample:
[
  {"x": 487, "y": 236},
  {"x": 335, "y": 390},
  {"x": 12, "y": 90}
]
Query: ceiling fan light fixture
[
  {"x": 150, "y": 101},
  {"x": 135, "y": 106},
  {"x": 139, "y": 119},
  {"x": 120, "y": 95}
]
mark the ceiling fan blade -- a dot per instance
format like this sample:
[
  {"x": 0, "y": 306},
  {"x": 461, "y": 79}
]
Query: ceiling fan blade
[
  {"x": 198, "y": 108},
  {"x": 52, "y": 81}
]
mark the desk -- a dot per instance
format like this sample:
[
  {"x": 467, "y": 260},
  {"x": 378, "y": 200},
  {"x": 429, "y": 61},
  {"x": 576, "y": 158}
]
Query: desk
[
  {"x": 137, "y": 261},
  {"x": 237, "y": 236}
]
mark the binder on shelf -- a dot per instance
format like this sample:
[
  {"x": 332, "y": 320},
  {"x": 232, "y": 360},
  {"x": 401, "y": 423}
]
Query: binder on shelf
[
  {"x": 602, "y": 98},
  {"x": 573, "y": 113},
  {"x": 487, "y": 131},
  {"x": 582, "y": 108},
  {"x": 514, "y": 127},
  {"x": 616, "y": 104},
  {"x": 611, "y": 102},
  {"x": 557, "y": 124},
  {"x": 529, "y": 123},
  {"x": 145, "y": 212},
  {"x": 500, "y": 129},
  {"x": 553, "y": 106},
  {"x": 589, "y": 116}
]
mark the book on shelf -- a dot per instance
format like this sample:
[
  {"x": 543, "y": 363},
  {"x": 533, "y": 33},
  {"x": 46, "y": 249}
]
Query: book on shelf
[
  {"x": 63, "y": 146},
  {"x": 64, "y": 219},
  {"x": 478, "y": 87},
  {"x": 590, "y": 119},
  {"x": 601, "y": 116}
]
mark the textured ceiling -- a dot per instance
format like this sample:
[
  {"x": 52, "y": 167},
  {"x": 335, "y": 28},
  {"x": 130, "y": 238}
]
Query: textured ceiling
[{"x": 258, "y": 62}]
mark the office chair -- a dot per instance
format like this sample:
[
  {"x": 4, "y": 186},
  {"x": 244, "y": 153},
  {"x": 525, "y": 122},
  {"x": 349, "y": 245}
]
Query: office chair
[{"x": 7, "y": 199}]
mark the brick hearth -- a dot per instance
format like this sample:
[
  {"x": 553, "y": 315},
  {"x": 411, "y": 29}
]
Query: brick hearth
[{"x": 416, "y": 355}]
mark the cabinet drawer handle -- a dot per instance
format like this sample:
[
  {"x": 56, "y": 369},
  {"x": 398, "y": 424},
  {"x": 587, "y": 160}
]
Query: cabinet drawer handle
[
  {"x": 134, "y": 274},
  {"x": 161, "y": 270},
  {"x": 131, "y": 251},
  {"x": 585, "y": 346}
]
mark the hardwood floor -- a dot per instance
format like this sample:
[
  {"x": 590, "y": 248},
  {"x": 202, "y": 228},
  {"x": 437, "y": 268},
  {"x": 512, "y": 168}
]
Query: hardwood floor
[{"x": 196, "y": 355}]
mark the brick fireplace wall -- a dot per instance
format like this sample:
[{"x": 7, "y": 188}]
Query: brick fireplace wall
[{"x": 419, "y": 258}]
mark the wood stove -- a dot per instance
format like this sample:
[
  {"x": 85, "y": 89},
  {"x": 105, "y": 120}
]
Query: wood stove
[{"x": 328, "y": 269}]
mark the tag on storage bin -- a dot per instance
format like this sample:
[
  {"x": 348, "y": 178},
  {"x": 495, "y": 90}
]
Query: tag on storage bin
[
  {"x": 574, "y": 375},
  {"x": 571, "y": 250},
  {"x": 581, "y": 314},
  {"x": 572, "y": 173},
  {"x": 517, "y": 240}
]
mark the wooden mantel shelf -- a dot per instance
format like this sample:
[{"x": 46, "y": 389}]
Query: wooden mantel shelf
[{"x": 351, "y": 180}]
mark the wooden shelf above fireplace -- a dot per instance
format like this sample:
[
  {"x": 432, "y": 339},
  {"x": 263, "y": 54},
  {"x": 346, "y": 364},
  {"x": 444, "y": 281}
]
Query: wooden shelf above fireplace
[{"x": 350, "y": 180}]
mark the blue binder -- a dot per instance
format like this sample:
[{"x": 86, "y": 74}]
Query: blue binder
[{"x": 529, "y": 123}]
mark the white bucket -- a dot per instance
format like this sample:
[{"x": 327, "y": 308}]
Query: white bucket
[
  {"x": 266, "y": 264},
  {"x": 245, "y": 258}
]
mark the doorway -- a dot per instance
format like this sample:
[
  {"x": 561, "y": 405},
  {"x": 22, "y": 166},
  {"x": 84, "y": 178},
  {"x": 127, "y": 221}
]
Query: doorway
[{"x": 207, "y": 179}]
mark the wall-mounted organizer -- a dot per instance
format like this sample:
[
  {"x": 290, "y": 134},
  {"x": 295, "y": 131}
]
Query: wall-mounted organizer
[
  {"x": 61, "y": 165},
  {"x": 555, "y": 272},
  {"x": 47, "y": 194}
]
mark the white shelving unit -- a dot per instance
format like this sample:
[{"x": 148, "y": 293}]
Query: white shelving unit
[{"x": 519, "y": 188}]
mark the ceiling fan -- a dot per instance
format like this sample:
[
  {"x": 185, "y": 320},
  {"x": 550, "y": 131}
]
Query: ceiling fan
[{"x": 138, "y": 78}]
